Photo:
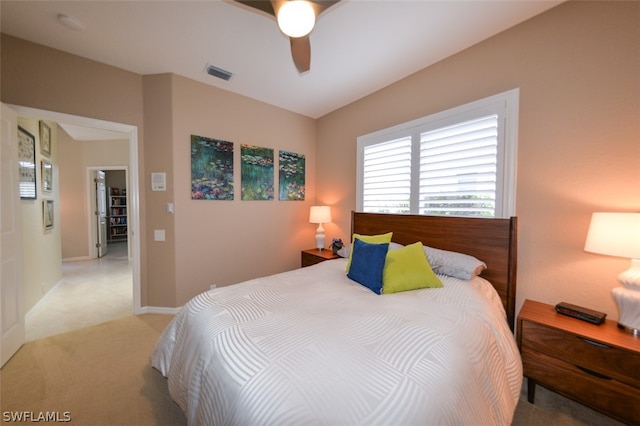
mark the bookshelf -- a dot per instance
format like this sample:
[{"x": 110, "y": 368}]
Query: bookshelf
[{"x": 118, "y": 230}]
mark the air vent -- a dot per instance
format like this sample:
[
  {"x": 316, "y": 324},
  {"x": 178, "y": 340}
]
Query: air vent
[{"x": 218, "y": 72}]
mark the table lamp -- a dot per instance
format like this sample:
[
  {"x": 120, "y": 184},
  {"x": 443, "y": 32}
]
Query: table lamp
[
  {"x": 618, "y": 234},
  {"x": 320, "y": 215}
]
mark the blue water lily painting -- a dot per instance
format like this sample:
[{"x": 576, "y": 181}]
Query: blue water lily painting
[
  {"x": 257, "y": 172},
  {"x": 211, "y": 169},
  {"x": 292, "y": 176}
]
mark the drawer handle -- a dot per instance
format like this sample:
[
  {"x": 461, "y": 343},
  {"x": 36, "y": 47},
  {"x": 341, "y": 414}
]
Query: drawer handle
[
  {"x": 591, "y": 342},
  {"x": 593, "y": 373}
]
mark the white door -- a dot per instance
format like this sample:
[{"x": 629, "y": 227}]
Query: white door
[
  {"x": 101, "y": 213},
  {"x": 12, "y": 309}
]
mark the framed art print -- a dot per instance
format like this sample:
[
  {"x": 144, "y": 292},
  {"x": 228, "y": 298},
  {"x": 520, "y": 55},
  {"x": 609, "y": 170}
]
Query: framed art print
[
  {"x": 47, "y": 176},
  {"x": 292, "y": 176},
  {"x": 27, "y": 164},
  {"x": 45, "y": 139},
  {"x": 47, "y": 214},
  {"x": 256, "y": 172},
  {"x": 211, "y": 169}
]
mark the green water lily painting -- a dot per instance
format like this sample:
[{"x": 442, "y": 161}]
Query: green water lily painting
[
  {"x": 211, "y": 169},
  {"x": 257, "y": 172},
  {"x": 292, "y": 176}
]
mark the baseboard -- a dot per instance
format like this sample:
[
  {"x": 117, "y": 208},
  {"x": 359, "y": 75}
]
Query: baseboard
[{"x": 157, "y": 310}]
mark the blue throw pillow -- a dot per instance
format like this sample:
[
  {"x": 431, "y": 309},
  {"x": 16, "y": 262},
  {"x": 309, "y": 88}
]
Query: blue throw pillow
[{"x": 367, "y": 264}]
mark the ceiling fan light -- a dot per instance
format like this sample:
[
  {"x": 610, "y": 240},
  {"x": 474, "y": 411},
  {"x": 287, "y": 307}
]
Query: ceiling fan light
[{"x": 296, "y": 18}]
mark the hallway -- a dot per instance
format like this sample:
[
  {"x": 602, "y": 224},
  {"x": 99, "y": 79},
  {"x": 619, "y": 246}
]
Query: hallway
[{"x": 90, "y": 292}]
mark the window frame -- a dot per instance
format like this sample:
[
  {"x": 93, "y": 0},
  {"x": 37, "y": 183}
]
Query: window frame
[{"x": 505, "y": 105}]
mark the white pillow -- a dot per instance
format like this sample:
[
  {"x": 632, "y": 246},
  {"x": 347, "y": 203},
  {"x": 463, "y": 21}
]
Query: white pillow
[{"x": 453, "y": 264}]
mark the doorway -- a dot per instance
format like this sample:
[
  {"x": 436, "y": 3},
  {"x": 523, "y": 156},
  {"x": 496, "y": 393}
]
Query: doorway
[
  {"x": 115, "y": 200},
  {"x": 131, "y": 134}
]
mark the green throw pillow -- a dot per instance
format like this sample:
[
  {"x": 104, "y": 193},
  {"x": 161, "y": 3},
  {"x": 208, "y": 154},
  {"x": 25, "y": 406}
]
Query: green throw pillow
[
  {"x": 408, "y": 269},
  {"x": 371, "y": 239}
]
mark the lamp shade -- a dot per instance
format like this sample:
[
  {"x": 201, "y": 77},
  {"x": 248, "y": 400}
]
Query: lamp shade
[
  {"x": 614, "y": 234},
  {"x": 320, "y": 214},
  {"x": 296, "y": 18}
]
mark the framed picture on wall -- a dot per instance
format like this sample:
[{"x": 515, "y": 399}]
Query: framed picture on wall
[
  {"x": 47, "y": 176},
  {"x": 211, "y": 169},
  {"x": 27, "y": 164},
  {"x": 256, "y": 172},
  {"x": 292, "y": 176},
  {"x": 47, "y": 214},
  {"x": 45, "y": 139}
]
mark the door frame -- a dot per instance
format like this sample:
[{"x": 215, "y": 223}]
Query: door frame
[
  {"x": 134, "y": 196},
  {"x": 93, "y": 250}
]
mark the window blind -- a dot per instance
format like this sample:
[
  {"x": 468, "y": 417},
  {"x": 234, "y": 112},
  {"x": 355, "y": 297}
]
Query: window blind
[
  {"x": 457, "y": 162},
  {"x": 387, "y": 176},
  {"x": 458, "y": 169}
]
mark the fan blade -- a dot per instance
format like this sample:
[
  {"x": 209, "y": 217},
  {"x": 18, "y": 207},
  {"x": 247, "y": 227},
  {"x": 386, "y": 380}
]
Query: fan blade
[
  {"x": 264, "y": 6},
  {"x": 301, "y": 53},
  {"x": 300, "y": 46},
  {"x": 321, "y": 5}
]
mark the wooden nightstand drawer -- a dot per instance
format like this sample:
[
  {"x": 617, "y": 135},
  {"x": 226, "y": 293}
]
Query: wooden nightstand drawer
[
  {"x": 586, "y": 353},
  {"x": 608, "y": 395},
  {"x": 597, "y": 365}
]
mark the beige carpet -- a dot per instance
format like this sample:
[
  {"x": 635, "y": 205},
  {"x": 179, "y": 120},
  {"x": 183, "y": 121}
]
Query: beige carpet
[{"x": 101, "y": 376}]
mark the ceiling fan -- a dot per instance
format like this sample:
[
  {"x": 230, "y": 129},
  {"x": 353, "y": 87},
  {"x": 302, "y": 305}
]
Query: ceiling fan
[{"x": 296, "y": 19}]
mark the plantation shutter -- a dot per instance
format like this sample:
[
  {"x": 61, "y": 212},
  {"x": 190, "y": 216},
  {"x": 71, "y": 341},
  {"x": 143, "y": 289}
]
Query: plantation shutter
[
  {"x": 457, "y": 162},
  {"x": 387, "y": 176},
  {"x": 458, "y": 169}
]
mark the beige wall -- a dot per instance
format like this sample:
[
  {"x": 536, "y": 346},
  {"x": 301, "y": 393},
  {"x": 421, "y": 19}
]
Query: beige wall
[
  {"x": 223, "y": 242},
  {"x": 578, "y": 70},
  {"x": 159, "y": 158},
  {"x": 218, "y": 242},
  {"x": 41, "y": 256},
  {"x": 73, "y": 196},
  {"x": 117, "y": 178}
]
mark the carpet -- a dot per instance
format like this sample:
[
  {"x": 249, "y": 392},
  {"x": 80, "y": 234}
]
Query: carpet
[{"x": 98, "y": 375}]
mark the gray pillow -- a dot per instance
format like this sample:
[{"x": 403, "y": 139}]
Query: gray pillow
[{"x": 453, "y": 264}]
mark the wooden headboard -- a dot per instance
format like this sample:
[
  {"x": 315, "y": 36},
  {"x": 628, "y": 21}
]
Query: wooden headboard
[{"x": 494, "y": 241}]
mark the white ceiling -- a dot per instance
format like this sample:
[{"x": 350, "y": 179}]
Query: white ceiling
[{"x": 357, "y": 46}]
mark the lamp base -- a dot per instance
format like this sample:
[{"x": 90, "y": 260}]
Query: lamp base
[
  {"x": 320, "y": 237},
  {"x": 628, "y": 302}
]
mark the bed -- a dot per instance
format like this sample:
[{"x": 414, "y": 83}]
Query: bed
[{"x": 312, "y": 346}]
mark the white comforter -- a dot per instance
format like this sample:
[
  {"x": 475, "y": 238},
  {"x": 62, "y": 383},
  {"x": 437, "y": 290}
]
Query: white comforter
[{"x": 311, "y": 347}]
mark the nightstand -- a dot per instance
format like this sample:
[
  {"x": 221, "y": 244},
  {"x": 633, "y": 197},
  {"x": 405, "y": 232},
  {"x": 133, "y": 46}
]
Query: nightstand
[
  {"x": 596, "y": 365},
  {"x": 313, "y": 256}
]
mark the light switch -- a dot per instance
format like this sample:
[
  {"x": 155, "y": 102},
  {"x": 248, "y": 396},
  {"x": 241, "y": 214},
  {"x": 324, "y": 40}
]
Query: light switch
[{"x": 158, "y": 234}]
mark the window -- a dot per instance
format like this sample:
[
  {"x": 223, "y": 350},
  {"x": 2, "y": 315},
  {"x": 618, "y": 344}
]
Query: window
[{"x": 459, "y": 162}]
